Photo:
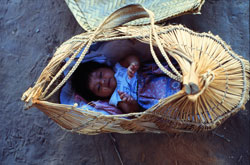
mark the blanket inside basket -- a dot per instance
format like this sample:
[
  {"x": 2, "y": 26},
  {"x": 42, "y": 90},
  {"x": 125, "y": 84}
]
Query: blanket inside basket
[{"x": 153, "y": 84}]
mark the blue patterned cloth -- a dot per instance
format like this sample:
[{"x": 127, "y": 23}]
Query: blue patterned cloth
[
  {"x": 124, "y": 84},
  {"x": 154, "y": 85}
]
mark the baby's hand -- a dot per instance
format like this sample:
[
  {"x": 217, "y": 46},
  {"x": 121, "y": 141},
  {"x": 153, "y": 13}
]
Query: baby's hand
[
  {"x": 133, "y": 67},
  {"x": 125, "y": 97}
]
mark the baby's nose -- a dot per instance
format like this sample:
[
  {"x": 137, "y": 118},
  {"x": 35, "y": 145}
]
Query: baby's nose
[{"x": 102, "y": 81}]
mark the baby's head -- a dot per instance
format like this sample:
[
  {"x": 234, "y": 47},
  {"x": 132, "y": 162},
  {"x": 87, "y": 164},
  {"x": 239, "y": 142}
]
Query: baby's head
[{"x": 94, "y": 81}]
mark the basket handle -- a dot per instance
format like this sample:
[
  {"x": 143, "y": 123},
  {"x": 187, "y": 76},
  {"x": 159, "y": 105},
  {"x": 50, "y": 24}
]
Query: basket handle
[
  {"x": 119, "y": 17},
  {"x": 133, "y": 12}
]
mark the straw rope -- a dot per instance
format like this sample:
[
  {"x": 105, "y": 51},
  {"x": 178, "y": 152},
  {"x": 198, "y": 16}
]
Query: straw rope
[
  {"x": 110, "y": 22},
  {"x": 157, "y": 61}
]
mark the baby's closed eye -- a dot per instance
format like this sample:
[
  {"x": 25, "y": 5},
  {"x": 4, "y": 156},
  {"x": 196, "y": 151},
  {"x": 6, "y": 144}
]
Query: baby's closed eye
[{"x": 98, "y": 87}]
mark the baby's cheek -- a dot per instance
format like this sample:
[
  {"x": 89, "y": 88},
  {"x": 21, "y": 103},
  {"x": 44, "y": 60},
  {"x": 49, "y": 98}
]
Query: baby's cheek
[{"x": 107, "y": 91}]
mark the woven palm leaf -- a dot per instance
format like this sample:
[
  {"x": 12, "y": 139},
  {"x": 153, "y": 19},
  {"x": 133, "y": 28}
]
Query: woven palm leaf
[
  {"x": 89, "y": 13},
  {"x": 218, "y": 79}
]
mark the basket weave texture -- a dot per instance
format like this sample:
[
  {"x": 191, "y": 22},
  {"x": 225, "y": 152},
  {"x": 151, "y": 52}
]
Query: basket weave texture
[
  {"x": 221, "y": 75},
  {"x": 90, "y": 13}
]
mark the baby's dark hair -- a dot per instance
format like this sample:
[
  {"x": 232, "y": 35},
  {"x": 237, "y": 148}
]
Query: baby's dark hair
[{"x": 80, "y": 79}]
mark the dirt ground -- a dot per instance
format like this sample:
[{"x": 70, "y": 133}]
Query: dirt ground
[{"x": 29, "y": 33}]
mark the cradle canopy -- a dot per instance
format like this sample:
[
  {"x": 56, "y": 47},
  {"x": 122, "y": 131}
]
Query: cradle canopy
[
  {"x": 90, "y": 13},
  {"x": 207, "y": 63}
]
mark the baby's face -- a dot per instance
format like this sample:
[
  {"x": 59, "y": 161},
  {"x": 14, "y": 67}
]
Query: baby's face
[{"x": 102, "y": 82}]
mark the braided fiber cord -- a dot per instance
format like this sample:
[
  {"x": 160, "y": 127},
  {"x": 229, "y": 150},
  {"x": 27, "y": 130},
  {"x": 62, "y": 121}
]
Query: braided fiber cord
[
  {"x": 119, "y": 17},
  {"x": 157, "y": 61}
]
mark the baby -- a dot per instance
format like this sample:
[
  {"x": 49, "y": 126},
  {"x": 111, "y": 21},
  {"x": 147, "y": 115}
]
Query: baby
[{"x": 95, "y": 81}]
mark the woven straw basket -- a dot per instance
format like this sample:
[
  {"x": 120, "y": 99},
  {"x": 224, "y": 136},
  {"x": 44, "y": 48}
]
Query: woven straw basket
[{"x": 215, "y": 79}]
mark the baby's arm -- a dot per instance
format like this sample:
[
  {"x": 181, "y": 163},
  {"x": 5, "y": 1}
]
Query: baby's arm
[
  {"x": 132, "y": 63},
  {"x": 128, "y": 104}
]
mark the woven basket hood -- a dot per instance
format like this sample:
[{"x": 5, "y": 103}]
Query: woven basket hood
[{"x": 90, "y": 13}]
